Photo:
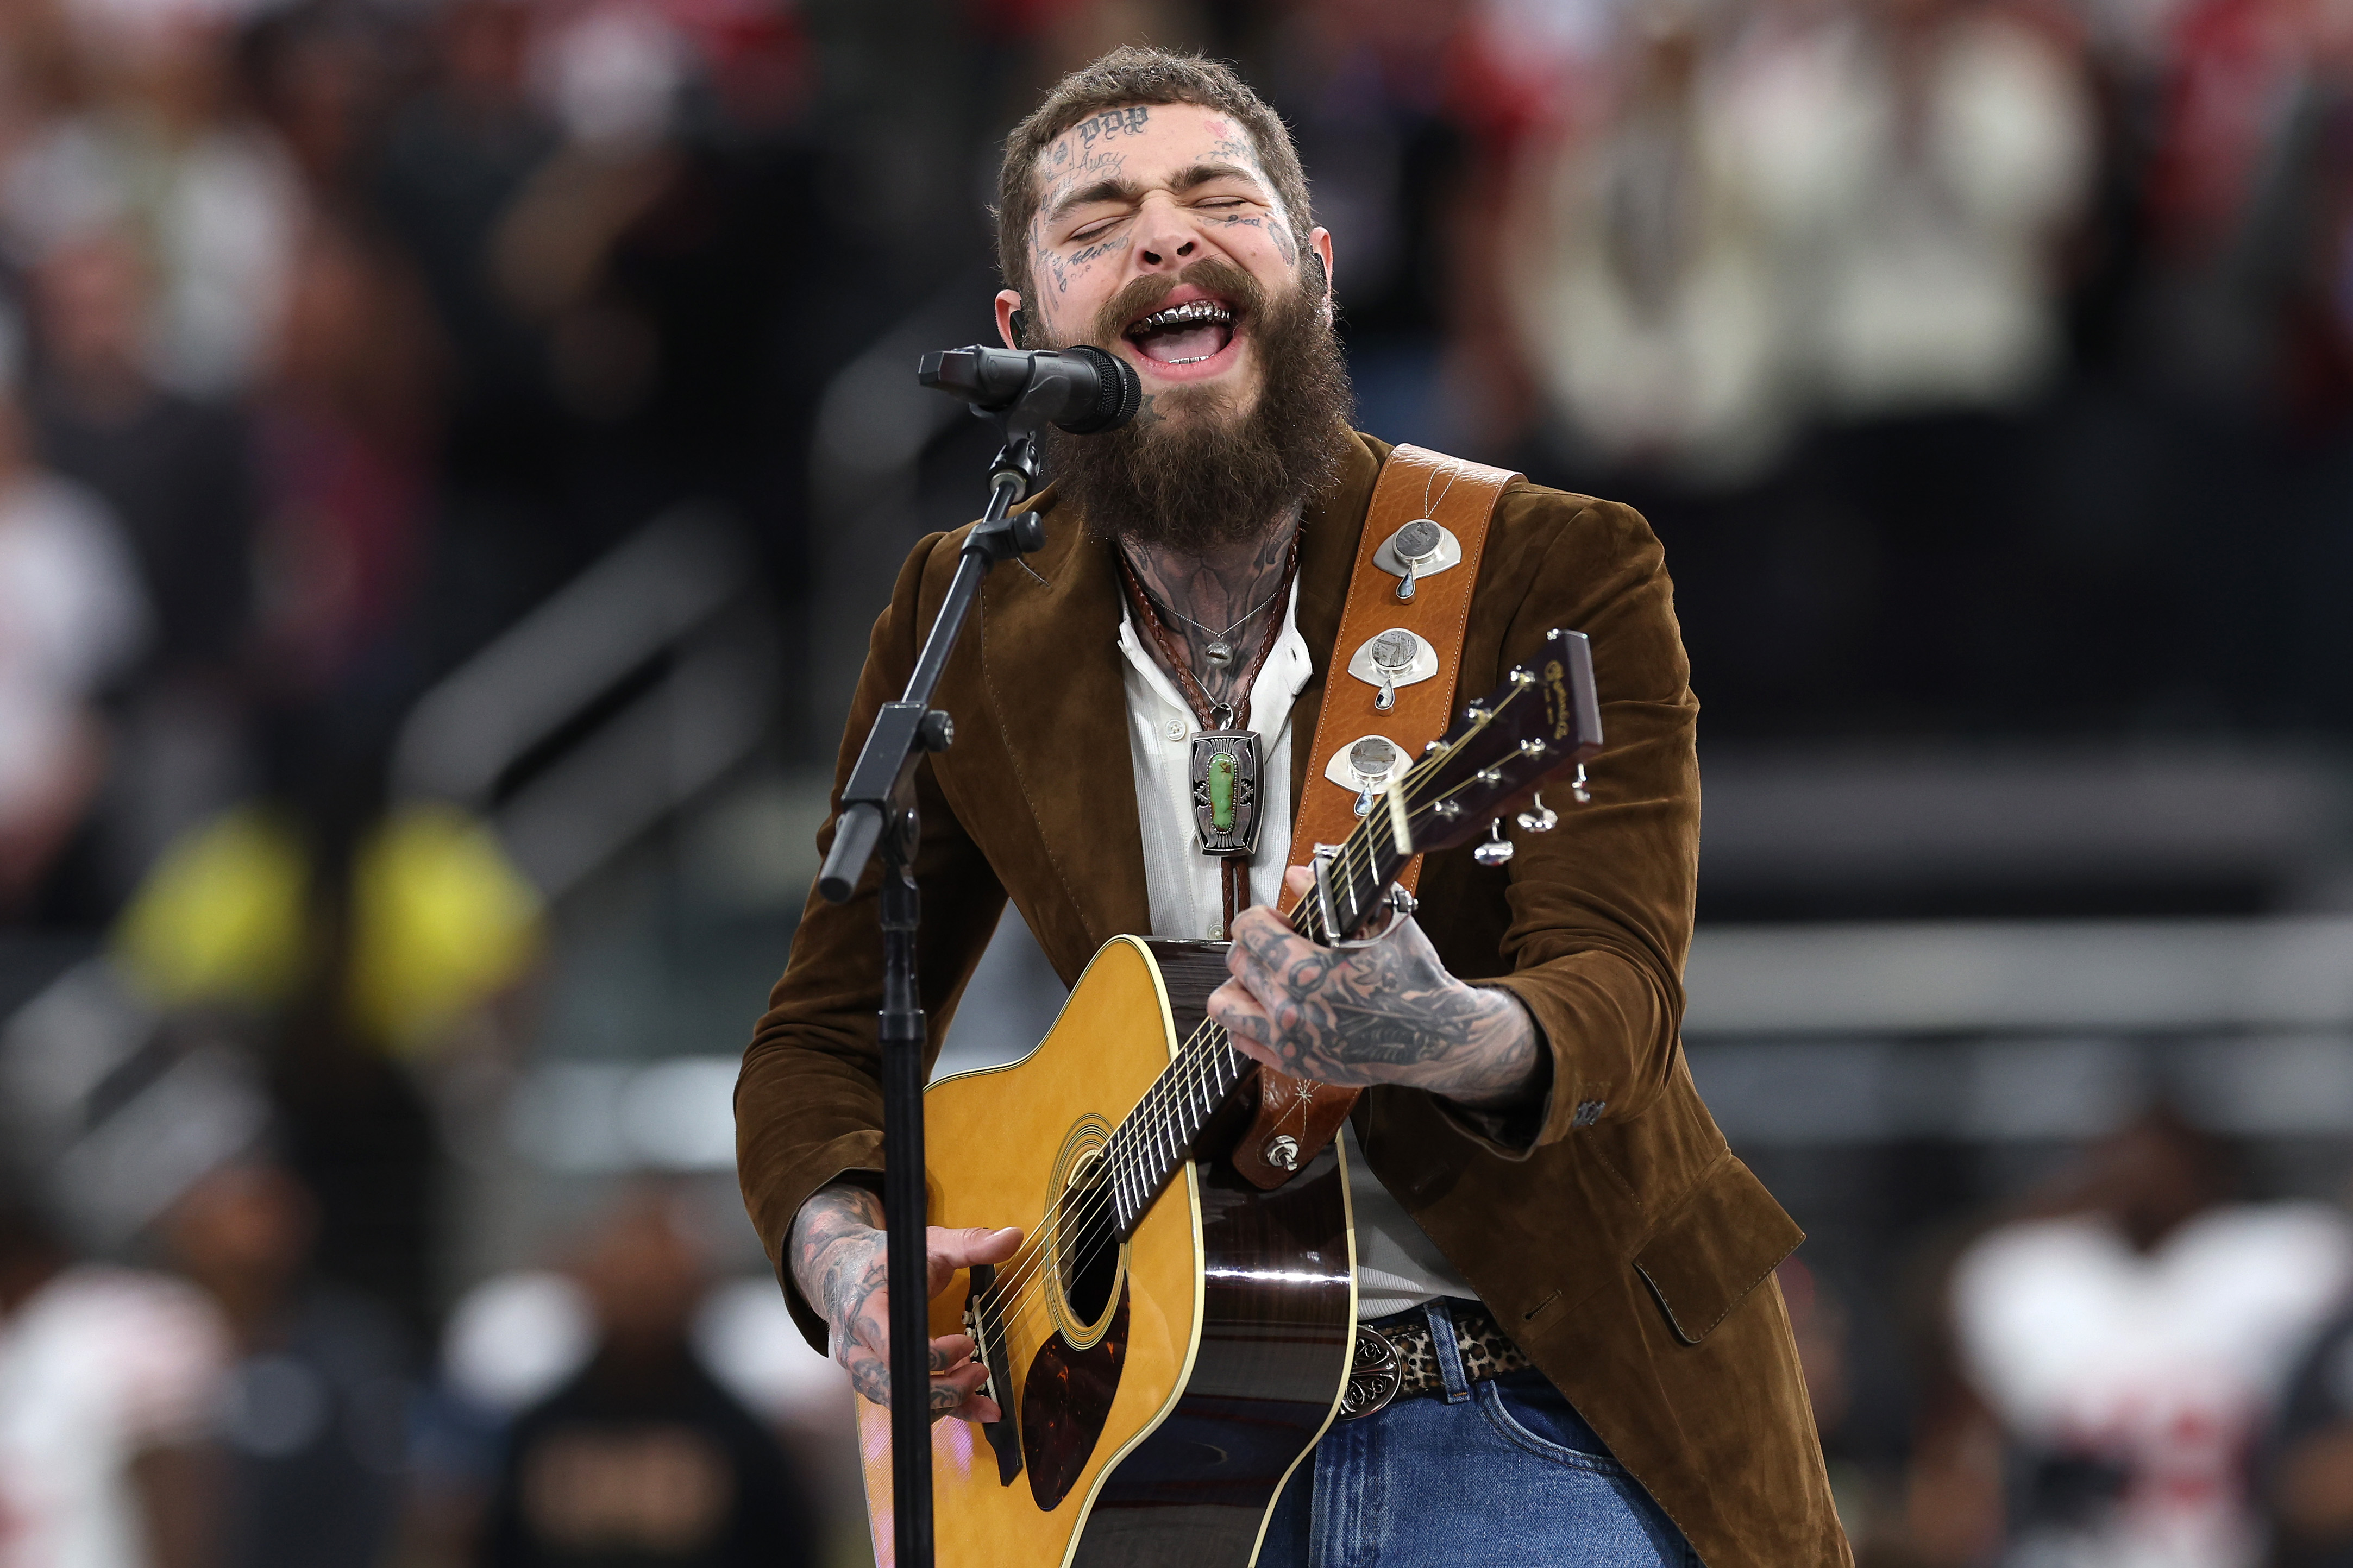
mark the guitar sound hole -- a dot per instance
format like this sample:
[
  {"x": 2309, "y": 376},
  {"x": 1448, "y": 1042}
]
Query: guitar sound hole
[{"x": 1087, "y": 1250}]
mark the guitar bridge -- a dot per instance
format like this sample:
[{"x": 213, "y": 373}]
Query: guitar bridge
[{"x": 986, "y": 1327}]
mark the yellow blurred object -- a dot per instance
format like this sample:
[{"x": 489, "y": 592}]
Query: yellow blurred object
[
  {"x": 441, "y": 921},
  {"x": 220, "y": 919}
]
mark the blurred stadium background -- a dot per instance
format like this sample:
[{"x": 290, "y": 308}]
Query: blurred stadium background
[{"x": 451, "y": 451}]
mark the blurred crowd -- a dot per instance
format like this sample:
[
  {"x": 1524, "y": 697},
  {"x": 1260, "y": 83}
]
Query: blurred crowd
[
  {"x": 1960, "y": 350},
  {"x": 331, "y": 337},
  {"x": 2130, "y": 1365},
  {"x": 626, "y": 1407},
  {"x": 1950, "y": 342},
  {"x": 1964, "y": 352}
]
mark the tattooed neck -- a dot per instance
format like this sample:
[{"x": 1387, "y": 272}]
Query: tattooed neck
[{"x": 1216, "y": 590}]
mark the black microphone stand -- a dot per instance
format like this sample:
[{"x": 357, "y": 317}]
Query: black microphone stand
[{"x": 877, "y": 809}]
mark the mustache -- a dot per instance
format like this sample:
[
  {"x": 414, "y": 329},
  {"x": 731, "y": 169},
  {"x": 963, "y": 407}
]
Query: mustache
[
  {"x": 1212, "y": 273},
  {"x": 1216, "y": 476}
]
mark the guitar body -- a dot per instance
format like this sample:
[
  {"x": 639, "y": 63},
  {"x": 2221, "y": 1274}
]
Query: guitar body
[{"x": 1157, "y": 1391}]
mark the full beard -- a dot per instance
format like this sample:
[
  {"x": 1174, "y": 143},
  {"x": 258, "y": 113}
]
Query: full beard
[{"x": 1213, "y": 476}]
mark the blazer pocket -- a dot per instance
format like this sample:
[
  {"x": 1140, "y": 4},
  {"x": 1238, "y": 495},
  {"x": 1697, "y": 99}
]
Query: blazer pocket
[{"x": 1717, "y": 1245}]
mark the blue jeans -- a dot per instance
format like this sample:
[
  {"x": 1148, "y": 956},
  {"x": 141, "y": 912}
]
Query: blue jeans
[{"x": 1501, "y": 1474}]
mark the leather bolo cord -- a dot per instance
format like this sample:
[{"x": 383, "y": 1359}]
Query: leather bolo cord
[{"x": 1234, "y": 871}]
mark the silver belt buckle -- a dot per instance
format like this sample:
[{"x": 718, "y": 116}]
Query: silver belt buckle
[{"x": 1374, "y": 1374}]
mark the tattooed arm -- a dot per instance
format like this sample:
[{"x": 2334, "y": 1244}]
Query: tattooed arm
[
  {"x": 1385, "y": 1014},
  {"x": 839, "y": 1261}
]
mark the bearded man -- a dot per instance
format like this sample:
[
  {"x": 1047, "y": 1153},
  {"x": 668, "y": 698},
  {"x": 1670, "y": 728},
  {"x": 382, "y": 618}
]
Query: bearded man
[{"x": 1533, "y": 1179}]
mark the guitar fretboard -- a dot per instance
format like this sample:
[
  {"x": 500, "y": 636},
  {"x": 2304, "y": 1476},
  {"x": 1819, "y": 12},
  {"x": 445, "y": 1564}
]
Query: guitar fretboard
[{"x": 1145, "y": 1151}]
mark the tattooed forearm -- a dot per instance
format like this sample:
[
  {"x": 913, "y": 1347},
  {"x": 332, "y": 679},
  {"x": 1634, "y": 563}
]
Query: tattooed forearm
[
  {"x": 837, "y": 1214},
  {"x": 1389, "y": 1012},
  {"x": 839, "y": 1260},
  {"x": 838, "y": 1256}
]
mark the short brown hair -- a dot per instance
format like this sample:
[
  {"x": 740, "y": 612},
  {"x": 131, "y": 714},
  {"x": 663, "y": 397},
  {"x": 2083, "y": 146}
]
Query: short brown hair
[{"x": 1122, "y": 78}]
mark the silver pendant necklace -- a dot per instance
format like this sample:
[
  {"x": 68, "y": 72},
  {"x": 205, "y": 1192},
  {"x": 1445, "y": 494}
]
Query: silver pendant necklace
[{"x": 1220, "y": 652}]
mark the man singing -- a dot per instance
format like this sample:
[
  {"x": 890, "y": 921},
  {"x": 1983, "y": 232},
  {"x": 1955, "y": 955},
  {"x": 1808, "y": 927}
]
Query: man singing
[{"x": 1538, "y": 1193}]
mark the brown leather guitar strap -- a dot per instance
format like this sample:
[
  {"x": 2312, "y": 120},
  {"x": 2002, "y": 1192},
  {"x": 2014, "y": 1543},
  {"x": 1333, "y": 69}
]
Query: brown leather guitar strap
[{"x": 1457, "y": 499}]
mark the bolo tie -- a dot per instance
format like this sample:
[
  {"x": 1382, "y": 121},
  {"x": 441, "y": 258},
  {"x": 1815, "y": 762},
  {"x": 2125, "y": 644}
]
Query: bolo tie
[{"x": 1225, "y": 762}]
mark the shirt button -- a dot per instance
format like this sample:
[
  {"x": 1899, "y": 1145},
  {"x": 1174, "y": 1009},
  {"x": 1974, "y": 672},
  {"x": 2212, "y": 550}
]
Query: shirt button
[
  {"x": 1176, "y": 729},
  {"x": 1217, "y": 931}
]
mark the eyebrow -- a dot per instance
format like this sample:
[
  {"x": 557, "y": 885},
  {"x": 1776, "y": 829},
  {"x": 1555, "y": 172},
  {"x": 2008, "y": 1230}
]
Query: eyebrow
[{"x": 1130, "y": 191}]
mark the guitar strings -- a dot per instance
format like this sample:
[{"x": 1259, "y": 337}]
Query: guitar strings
[
  {"x": 1148, "y": 1120},
  {"x": 1024, "y": 1274},
  {"x": 1195, "y": 1060},
  {"x": 1016, "y": 1293},
  {"x": 1188, "y": 1070},
  {"x": 1191, "y": 1069}
]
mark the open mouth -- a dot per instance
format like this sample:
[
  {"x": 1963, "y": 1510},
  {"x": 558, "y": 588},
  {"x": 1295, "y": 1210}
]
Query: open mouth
[{"x": 1184, "y": 334}]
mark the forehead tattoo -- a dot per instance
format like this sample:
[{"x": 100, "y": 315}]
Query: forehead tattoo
[{"x": 1081, "y": 139}]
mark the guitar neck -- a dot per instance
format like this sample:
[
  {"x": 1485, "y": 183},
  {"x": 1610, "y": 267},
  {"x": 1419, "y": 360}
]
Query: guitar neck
[
  {"x": 1542, "y": 718},
  {"x": 1145, "y": 1151},
  {"x": 1358, "y": 874}
]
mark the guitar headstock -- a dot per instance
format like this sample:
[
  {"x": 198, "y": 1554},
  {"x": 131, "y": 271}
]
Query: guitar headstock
[{"x": 1542, "y": 721}]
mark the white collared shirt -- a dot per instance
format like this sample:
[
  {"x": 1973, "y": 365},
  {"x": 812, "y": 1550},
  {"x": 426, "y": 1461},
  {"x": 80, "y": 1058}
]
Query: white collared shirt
[
  {"x": 1189, "y": 898},
  {"x": 1398, "y": 1265}
]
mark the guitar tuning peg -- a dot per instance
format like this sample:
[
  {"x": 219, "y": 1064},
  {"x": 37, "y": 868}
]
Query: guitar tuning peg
[
  {"x": 1539, "y": 819},
  {"x": 1577, "y": 786},
  {"x": 1495, "y": 850}
]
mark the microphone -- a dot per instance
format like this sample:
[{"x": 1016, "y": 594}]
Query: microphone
[{"x": 1083, "y": 389}]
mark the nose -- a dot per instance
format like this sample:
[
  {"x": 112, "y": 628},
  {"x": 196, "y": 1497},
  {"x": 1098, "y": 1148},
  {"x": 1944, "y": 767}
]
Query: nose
[{"x": 1164, "y": 237}]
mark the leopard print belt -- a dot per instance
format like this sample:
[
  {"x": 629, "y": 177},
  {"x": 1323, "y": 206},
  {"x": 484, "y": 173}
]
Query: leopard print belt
[{"x": 1399, "y": 1360}]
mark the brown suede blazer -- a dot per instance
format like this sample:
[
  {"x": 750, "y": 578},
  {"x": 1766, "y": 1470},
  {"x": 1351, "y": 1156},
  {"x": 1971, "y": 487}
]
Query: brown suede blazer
[{"x": 1620, "y": 1242}]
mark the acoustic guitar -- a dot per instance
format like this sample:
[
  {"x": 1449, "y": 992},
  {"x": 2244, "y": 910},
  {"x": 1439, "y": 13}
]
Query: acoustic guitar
[{"x": 1170, "y": 1341}]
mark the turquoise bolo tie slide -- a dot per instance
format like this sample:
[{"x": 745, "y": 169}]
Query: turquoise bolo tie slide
[{"x": 1225, "y": 791}]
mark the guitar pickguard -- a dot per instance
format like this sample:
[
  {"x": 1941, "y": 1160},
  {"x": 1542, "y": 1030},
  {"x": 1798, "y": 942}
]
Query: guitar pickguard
[{"x": 1064, "y": 1400}]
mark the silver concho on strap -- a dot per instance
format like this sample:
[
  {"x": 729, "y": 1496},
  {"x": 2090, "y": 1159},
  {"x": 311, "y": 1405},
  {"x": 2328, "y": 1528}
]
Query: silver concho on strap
[
  {"x": 1365, "y": 767},
  {"x": 1375, "y": 1375},
  {"x": 1392, "y": 659},
  {"x": 1422, "y": 548}
]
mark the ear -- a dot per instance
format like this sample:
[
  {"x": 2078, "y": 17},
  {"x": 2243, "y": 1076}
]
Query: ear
[
  {"x": 1008, "y": 308},
  {"x": 1321, "y": 239}
]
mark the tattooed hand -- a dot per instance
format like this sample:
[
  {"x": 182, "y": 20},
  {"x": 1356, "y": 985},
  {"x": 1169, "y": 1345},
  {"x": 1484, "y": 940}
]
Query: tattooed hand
[
  {"x": 838, "y": 1259},
  {"x": 1385, "y": 1014}
]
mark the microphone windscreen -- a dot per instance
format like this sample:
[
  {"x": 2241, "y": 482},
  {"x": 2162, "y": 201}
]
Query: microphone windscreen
[{"x": 1119, "y": 391}]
